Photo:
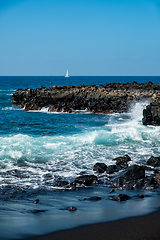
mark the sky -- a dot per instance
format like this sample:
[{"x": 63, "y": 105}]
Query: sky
[{"x": 87, "y": 37}]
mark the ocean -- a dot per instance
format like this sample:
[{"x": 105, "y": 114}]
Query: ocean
[{"x": 38, "y": 148}]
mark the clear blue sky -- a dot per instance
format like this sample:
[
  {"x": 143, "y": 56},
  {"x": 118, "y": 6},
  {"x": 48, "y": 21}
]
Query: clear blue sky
[{"x": 87, "y": 37}]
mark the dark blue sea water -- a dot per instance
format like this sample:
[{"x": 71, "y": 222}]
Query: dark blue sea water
[{"x": 37, "y": 148}]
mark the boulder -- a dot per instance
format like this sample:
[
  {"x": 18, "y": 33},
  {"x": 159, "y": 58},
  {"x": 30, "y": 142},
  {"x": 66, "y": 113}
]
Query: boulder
[
  {"x": 154, "y": 161},
  {"x": 121, "y": 197},
  {"x": 151, "y": 115},
  {"x": 36, "y": 211},
  {"x": 37, "y": 201},
  {"x": 71, "y": 209},
  {"x": 100, "y": 167},
  {"x": 61, "y": 183},
  {"x": 133, "y": 177},
  {"x": 134, "y": 172},
  {"x": 86, "y": 180},
  {"x": 121, "y": 162},
  {"x": 141, "y": 196}
]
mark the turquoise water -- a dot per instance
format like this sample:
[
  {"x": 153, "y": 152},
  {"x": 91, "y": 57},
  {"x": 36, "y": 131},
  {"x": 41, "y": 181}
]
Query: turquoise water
[
  {"x": 62, "y": 144},
  {"x": 34, "y": 145}
]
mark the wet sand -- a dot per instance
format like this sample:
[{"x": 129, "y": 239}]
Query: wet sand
[{"x": 136, "y": 228}]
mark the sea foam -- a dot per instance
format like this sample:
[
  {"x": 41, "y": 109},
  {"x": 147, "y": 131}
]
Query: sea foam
[{"x": 66, "y": 155}]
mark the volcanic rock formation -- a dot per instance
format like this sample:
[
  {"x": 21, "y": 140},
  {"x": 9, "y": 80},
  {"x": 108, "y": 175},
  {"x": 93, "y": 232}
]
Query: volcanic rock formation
[{"x": 113, "y": 97}]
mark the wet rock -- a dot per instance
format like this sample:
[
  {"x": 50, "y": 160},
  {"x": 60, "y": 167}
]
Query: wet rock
[
  {"x": 130, "y": 185},
  {"x": 123, "y": 159},
  {"x": 122, "y": 162},
  {"x": 151, "y": 115},
  {"x": 157, "y": 178},
  {"x": 86, "y": 180},
  {"x": 12, "y": 196},
  {"x": 134, "y": 172},
  {"x": 141, "y": 196},
  {"x": 112, "y": 190},
  {"x": 61, "y": 183},
  {"x": 154, "y": 161},
  {"x": 71, "y": 209},
  {"x": 141, "y": 183},
  {"x": 151, "y": 180},
  {"x": 37, "y": 201},
  {"x": 121, "y": 197},
  {"x": 94, "y": 198},
  {"x": 133, "y": 177},
  {"x": 100, "y": 167},
  {"x": 118, "y": 182},
  {"x": 111, "y": 169},
  {"x": 36, "y": 211}
]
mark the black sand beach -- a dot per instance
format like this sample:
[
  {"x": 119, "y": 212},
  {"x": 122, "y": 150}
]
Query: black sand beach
[{"x": 135, "y": 228}]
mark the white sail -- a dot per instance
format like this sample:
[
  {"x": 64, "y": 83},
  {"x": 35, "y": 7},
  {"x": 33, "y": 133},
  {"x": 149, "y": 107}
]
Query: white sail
[{"x": 67, "y": 74}]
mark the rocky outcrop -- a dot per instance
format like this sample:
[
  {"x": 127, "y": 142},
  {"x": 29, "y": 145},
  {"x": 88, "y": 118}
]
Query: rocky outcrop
[
  {"x": 151, "y": 115},
  {"x": 122, "y": 177},
  {"x": 121, "y": 163},
  {"x": 113, "y": 97}
]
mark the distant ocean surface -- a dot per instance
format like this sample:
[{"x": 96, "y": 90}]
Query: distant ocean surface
[
  {"x": 34, "y": 145},
  {"x": 38, "y": 148}
]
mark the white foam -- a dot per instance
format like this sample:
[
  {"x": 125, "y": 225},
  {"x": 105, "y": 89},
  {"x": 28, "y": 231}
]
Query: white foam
[
  {"x": 67, "y": 155},
  {"x": 15, "y": 154},
  {"x": 136, "y": 111},
  {"x": 10, "y": 108},
  {"x": 44, "y": 109}
]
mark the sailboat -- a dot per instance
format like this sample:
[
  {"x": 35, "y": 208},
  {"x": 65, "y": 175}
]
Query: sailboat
[{"x": 67, "y": 74}]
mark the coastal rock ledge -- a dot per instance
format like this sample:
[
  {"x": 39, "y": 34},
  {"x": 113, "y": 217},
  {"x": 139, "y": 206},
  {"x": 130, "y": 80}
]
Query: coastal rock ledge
[{"x": 113, "y": 97}]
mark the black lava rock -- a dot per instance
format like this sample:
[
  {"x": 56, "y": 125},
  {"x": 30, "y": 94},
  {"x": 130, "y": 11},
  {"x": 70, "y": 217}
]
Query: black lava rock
[
  {"x": 134, "y": 172},
  {"x": 151, "y": 115},
  {"x": 36, "y": 211},
  {"x": 111, "y": 169},
  {"x": 94, "y": 198},
  {"x": 121, "y": 197},
  {"x": 121, "y": 162},
  {"x": 71, "y": 209},
  {"x": 100, "y": 167},
  {"x": 86, "y": 180},
  {"x": 154, "y": 161}
]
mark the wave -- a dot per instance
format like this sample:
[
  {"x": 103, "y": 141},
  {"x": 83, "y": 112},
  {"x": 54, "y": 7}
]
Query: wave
[
  {"x": 46, "y": 110},
  {"x": 66, "y": 156},
  {"x": 11, "y": 108}
]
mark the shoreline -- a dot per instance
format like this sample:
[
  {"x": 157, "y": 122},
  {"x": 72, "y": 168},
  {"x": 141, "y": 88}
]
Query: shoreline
[
  {"x": 49, "y": 218},
  {"x": 132, "y": 228}
]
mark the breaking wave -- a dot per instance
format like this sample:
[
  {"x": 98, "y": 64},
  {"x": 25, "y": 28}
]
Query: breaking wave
[{"x": 26, "y": 159}]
